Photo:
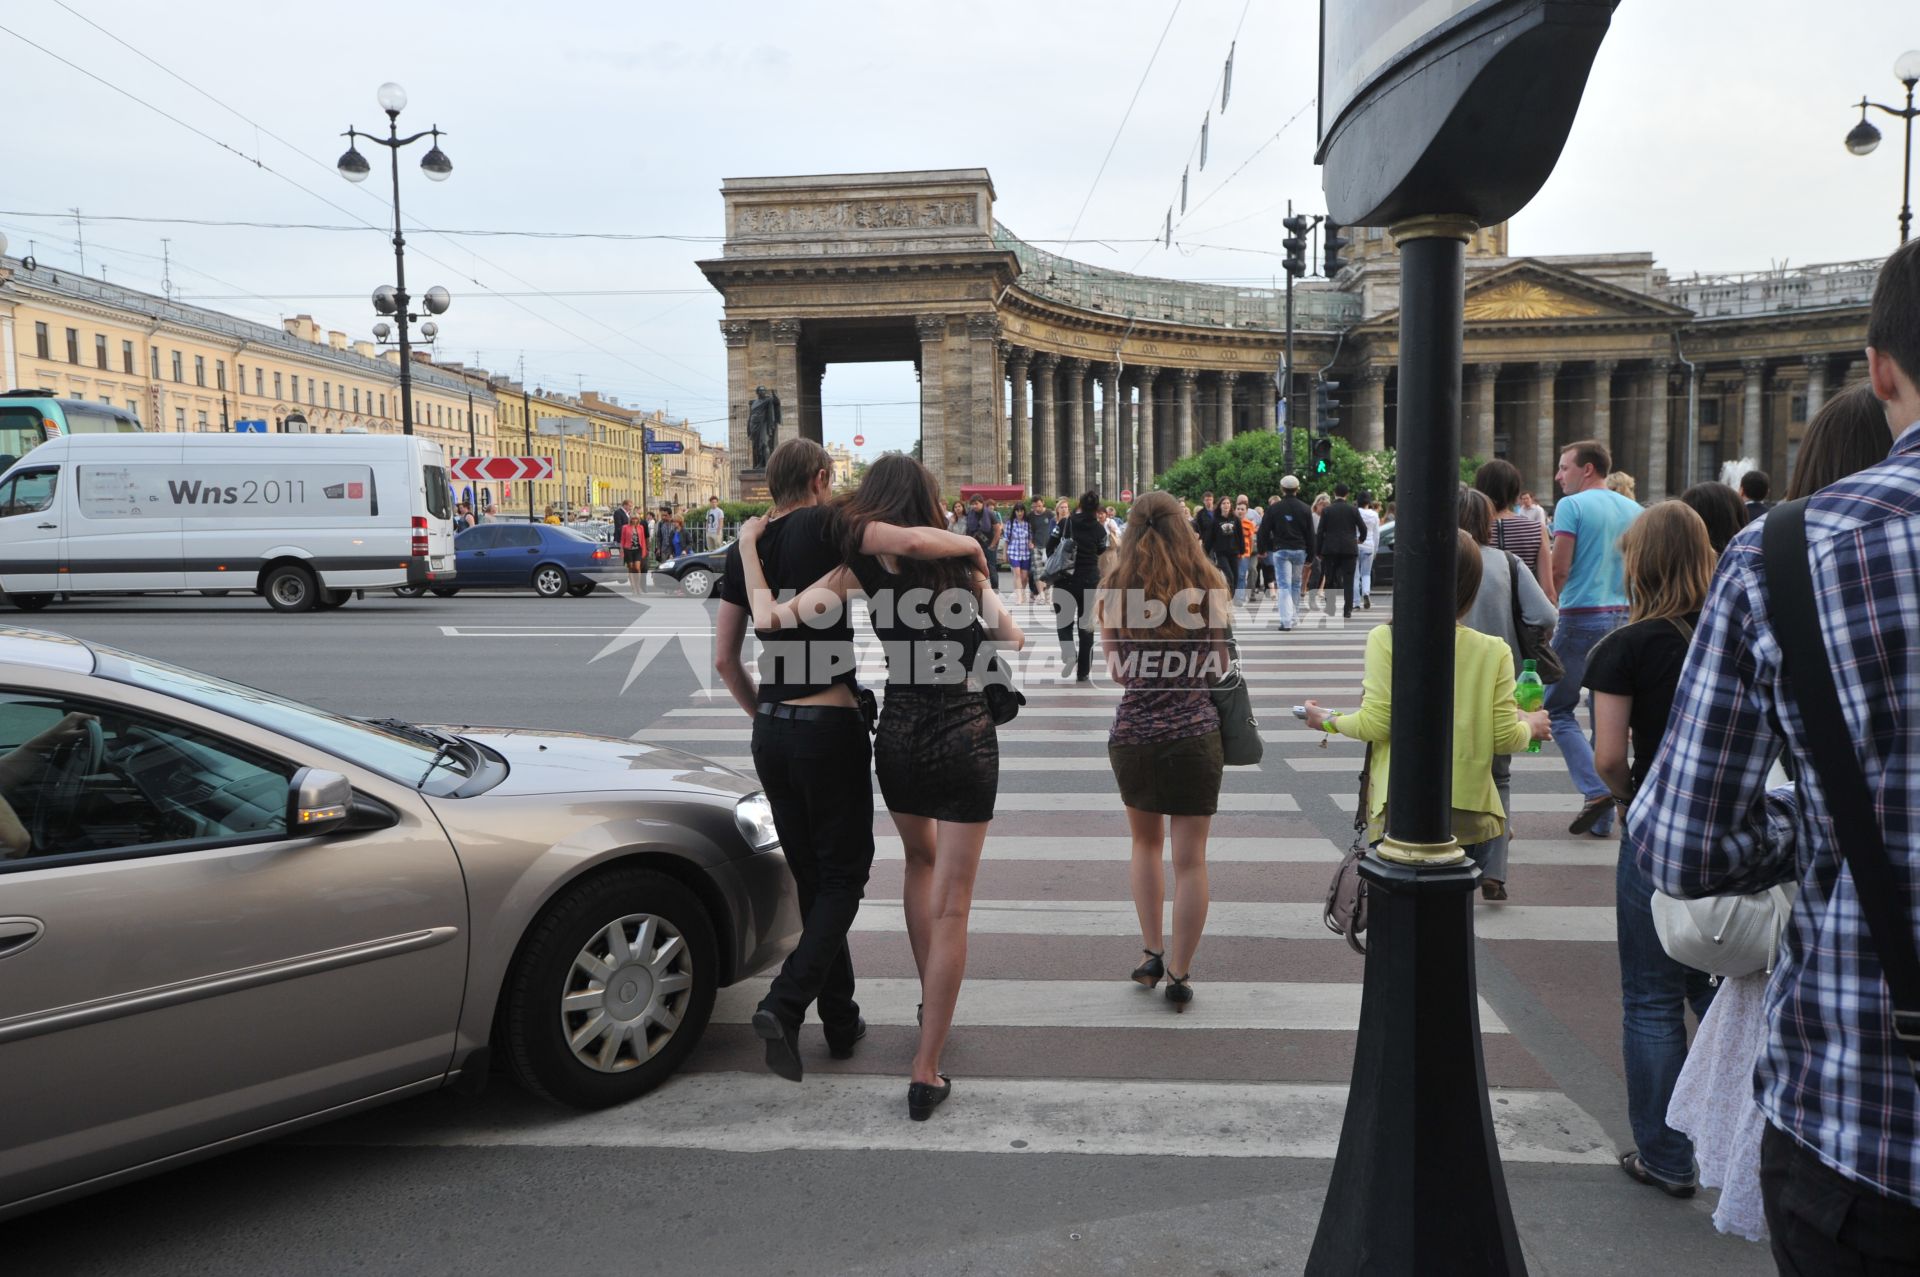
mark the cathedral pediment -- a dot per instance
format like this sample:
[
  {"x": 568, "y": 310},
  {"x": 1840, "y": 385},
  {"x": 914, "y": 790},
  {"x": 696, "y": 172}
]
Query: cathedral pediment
[{"x": 1529, "y": 290}]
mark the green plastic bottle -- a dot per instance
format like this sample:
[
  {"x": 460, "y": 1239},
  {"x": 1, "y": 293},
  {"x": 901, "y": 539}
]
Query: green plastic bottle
[{"x": 1531, "y": 693}]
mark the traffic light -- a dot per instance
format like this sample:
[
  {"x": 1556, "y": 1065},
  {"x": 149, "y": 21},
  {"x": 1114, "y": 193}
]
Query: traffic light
[
  {"x": 1296, "y": 244},
  {"x": 1331, "y": 242},
  {"x": 1326, "y": 411},
  {"x": 1322, "y": 455}
]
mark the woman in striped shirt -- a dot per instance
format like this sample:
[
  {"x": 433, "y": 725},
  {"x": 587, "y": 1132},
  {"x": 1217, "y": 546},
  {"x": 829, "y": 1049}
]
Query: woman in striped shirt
[{"x": 1513, "y": 531}]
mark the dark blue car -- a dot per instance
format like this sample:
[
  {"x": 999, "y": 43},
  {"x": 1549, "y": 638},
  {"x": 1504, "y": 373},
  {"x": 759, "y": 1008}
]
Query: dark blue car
[{"x": 551, "y": 561}]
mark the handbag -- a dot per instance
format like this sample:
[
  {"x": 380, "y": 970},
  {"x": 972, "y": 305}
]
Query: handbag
[
  {"x": 1064, "y": 557},
  {"x": 1796, "y": 624},
  {"x": 1239, "y": 730},
  {"x": 1003, "y": 699},
  {"x": 1534, "y": 644},
  {"x": 1346, "y": 909}
]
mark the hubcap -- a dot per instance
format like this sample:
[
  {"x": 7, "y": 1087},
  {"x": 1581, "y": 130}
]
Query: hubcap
[
  {"x": 289, "y": 589},
  {"x": 626, "y": 993},
  {"x": 552, "y": 582},
  {"x": 698, "y": 583}
]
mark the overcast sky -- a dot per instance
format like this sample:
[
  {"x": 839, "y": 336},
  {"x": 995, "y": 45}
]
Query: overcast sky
[{"x": 1710, "y": 136}]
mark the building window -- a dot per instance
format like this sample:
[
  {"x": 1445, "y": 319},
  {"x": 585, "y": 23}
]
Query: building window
[
  {"x": 100, "y": 350},
  {"x": 107, "y": 400},
  {"x": 154, "y": 351},
  {"x": 199, "y": 370},
  {"x": 258, "y": 376},
  {"x": 201, "y": 419},
  {"x": 177, "y": 374},
  {"x": 383, "y": 405},
  {"x": 126, "y": 357},
  {"x": 220, "y": 373},
  {"x": 309, "y": 392},
  {"x": 133, "y": 406},
  {"x": 73, "y": 345},
  {"x": 180, "y": 420},
  {"x": 356, "y": 399},
  {"x": 40, "y": 341},
  {"x": 276, "y": 386},
  {"x": 326, "y": 390}
]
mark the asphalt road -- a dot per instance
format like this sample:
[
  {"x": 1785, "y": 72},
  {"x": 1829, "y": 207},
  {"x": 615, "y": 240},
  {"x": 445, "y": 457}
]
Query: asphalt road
[{"x": 1090, "y": 1131}]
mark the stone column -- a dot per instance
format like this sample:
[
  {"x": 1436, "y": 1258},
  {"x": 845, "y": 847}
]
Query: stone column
[
  {"x": 1655, "y": 486},
  {"x": 1369, "y": 432},
  {"x": 1109, "y": 431},
  {"x": 1076, "y": 476},
  {"x": 1479, "y": 440},
  {"x": 983, "y": 457},
  {"x": 1149, "y": 446},
  {"x": 1090, "y": 430},
  {"x": 1046, "y": 456},
  {"x": 1129, "y": 419},
  {"x": 933, "y": 392},
  {"x": 1268, "y": 398},
  {"x": 1546, "y": 448},
  {"x": 1020, "y": 459},
  {"x": 1751, "y": 410},
  {"x": 735, "y": 333},
  {"x": 1816, "y": 385},
  {"x": 1184, "y": 378},
  {"x": 1227, "y": 380},
  {"x": 786, "y": 378},
  {"x": 812, "y": 416},
  {"x": 1603, "y": 409}
]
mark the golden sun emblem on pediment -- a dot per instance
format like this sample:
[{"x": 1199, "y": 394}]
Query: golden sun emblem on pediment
[{"x": 1523, "y": 299}]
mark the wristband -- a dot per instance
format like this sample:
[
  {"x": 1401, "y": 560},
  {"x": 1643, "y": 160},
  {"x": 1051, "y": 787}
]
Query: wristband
[{"x": 1327, "y": 725}]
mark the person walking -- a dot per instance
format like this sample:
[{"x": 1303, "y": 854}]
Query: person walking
[
  {"x": 1338, "y": 545},
  {"x": 810, "y": 746},
  {"x": 1224, "y": 548},
  {"x": 1164, "y": 745},
  {"x": 1203, "y": 520},
  {"x": 1316, "y": 568},
  {"x": 622, "y": 515},
  {"x": 716, "y": 524},
  {"x": 1039, "y": 531},
  {"x": 1285, "y": 534},
  {"x": 1592, "y": 591},
  {"x": 1840, "y": 1158},
  {"x": 983, "y": 524},
  {"x": 1754, "y": 486},
  {"x": 1074, "y": 594},
  {"x": 1242, "y": 550},
  {"x": 1019, "y": 550},
  {"x": 1502, "y": 575},
  {"x": 631, "y": 535},
  {"x": 1486, "y": 718},
  {"x": 1517, "y": 529},
  {"x": 1369, "y": 546}
]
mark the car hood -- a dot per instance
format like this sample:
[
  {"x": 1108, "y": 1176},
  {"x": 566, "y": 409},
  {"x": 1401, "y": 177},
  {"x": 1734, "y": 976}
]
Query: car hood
[{"x": 547, "y": 762}]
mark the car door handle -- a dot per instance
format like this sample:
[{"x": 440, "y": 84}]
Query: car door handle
[
  {"x": 17, "y": 934},
  {"x": 48, "y": 525}
]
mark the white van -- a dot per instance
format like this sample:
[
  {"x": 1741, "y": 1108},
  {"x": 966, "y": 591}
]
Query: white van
[{"x": 303, "y": 519}]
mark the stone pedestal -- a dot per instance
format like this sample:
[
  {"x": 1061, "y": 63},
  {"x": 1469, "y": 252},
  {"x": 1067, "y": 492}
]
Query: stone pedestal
[{"x": 753, "y": 485}]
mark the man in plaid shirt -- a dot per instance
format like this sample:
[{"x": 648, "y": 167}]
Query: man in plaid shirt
[{"x": 1840, "y": 1161}]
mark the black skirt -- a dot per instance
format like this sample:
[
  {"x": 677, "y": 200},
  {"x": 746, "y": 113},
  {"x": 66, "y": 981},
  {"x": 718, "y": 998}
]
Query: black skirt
[{"x": 938, "y": 755}]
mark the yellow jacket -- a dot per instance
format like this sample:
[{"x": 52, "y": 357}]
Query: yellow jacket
[{"x": 1485, "y": 722}]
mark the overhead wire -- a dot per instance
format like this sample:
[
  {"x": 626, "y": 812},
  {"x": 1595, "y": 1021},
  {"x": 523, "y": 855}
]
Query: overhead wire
[{"x": 1125, "y": 116}]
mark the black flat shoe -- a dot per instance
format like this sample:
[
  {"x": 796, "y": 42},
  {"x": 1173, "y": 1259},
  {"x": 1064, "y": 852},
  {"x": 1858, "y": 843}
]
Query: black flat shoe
[
  {"x": 841, "y": 1048},
  {"x": 1590, "y": 815},
  {"x": 1179, "y": 992},
  {"x": 923, "y": 1098},
  {"x": 1149, "y": 972},
  {"x": 1630, "y": 1163},
  {"x": 783, "y": 1045}
]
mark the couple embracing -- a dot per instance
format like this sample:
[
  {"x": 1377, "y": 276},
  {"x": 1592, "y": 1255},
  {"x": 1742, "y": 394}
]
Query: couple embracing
[{"x": 933, "y": 608}]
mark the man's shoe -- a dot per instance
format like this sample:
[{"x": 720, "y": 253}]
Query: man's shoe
[
  {"x": 783, "y": 1045},
  {"x": 841, "y": 1048},
  {"x": 1590, "y": 815},
  {"x": 1630, "y": 1163}
]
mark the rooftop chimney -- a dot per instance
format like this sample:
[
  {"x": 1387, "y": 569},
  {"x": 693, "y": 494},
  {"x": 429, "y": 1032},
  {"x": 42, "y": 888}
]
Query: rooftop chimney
[{"x": 337, "y": 340}]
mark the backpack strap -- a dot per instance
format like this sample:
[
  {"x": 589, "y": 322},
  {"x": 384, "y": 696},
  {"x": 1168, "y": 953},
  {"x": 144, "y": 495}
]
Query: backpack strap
[{"x": 1795, "y": 617}]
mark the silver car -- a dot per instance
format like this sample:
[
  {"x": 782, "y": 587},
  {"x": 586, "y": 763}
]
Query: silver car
[{"x": 225, "y": 915}]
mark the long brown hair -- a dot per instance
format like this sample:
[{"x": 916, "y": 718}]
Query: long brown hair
[
  {"x": 1668, "y": 561},
  {"x": 899, "y": 490},
  {"x": 1159, "y": 557},
  {"x": 1847, "y": 435}
]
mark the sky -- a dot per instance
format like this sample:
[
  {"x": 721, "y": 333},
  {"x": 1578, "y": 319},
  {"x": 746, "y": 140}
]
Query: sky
[{"x": 1710, "y": 135}]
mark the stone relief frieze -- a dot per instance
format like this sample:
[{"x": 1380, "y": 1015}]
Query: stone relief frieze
[{"x": 856, "y": 215}]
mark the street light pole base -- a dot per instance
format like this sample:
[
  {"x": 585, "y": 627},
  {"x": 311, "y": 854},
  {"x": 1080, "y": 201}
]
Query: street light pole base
[
  {"x": 1420, "y": 853},
  {"x": 1417, "y": 1185}
]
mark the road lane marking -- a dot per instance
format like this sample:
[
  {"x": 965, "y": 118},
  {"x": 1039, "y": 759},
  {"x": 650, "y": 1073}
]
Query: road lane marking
[{"x": 1263, "y": 920}]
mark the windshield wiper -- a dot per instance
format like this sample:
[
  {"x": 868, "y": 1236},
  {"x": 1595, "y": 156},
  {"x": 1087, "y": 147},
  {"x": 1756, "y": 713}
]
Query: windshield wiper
[
  {"x": 446, "y": 744},
  {"x": 443, "y": 752}
]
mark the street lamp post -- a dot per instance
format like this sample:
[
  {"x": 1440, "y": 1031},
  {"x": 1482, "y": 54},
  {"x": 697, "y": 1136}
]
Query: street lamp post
[
  {"x": 392, "y": 299},
  {"x": 1864, "y": 137}
]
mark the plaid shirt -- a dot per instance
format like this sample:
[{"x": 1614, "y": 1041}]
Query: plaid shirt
[{"x": 1831, "y": 1074}]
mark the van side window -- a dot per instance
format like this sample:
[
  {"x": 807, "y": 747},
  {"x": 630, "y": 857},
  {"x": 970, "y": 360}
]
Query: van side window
[
  {"x": 29, "y": 491},
  {"x": 439, "y": 491}
]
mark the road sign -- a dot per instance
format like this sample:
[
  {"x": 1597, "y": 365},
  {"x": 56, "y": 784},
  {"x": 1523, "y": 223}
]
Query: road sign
[
  {"x": 503, "y": 469},
  {"x": 859, "y": 441},
  {"x": 250, "y": 427},
  {"x": 1126, "y": 494},
  {"x": 663, "y": 447},
  {"x": 562, "y": 426}
]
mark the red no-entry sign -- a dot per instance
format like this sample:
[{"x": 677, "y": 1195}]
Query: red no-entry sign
[
  {"x": 503, "y": 469},
  {"x": 859, "y": 441},
  {"x": 1126, "y": 494}
]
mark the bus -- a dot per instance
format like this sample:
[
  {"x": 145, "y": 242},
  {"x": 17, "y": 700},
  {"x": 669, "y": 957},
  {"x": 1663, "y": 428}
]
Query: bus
[{"x": 28, "y": 418}]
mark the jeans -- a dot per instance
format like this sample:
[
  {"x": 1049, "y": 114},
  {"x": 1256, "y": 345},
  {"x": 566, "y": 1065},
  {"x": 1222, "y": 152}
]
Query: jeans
[
  {"x": 817, "y": 777},
  {"x": 1239, "y": 579},
  {"x": 1573, "y": 639},
  {"x": 1822, "y": 1224},
  {"x": 1070, "y": 610},
  {"x": 1289, "y": 567},
  {"x": 1655, "y": 992},
  {"x": 1364, "y": 574},
  {"x": 1491, "y": 855}
]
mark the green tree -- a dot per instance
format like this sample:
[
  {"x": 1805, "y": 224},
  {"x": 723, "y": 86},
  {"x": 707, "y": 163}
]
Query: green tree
[{"x": 1254, "y": 463}]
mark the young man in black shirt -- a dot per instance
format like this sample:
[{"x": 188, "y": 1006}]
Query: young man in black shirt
[
  {"x": 1337, "y": 544},
  {"x": 810, "y": 744}
]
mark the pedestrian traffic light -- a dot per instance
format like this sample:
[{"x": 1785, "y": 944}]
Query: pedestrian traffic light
[
  {"x": 1326, "y": 410},
  {"x": 1296, "y": 244},
  {"x": 1331, "y": 242},
  {"x": 1322, "y": 455}
]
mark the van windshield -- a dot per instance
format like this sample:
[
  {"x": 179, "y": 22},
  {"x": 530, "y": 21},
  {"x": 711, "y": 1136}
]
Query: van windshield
[
  {"x": 439, "y": 492},
  {"x": 85, "y": 419}
]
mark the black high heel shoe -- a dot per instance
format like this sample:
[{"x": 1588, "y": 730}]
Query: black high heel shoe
[
  {"x": 1179, "y": 992},
  {"x": 1149, "y": 972},
  {"x": 923, "y": 1097}
]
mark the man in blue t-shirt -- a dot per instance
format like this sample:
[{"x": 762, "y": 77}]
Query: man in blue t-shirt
[{"x": 1591, "y": 578}]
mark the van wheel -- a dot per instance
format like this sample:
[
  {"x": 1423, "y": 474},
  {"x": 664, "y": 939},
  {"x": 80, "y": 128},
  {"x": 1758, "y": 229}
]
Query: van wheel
[
  {"x": 30, "y": 602},
  {"x": 580, "y": 589},
  {"x": 290, "y": 588},
  {"x": 613, "y": 987},
  {"x": 331, "y": 599},
  {"x": 409, "y": 591},
  {"x": 550, "y": 580}
]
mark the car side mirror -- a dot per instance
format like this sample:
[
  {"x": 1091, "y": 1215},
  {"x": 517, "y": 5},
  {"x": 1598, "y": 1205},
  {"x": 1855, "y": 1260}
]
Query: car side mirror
[{"x": 318, "y": 801}]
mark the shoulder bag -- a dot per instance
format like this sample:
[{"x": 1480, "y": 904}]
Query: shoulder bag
[
  {"x": 1064, "y": 557},
  {"x": 1534, "y": 644},
  {"x": 1346, "y": 910},
  {"x": 1796, "y": 625},
  {"x": 1239, "y": 729}
]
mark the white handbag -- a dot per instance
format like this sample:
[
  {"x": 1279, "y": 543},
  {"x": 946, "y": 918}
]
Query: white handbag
[{"x": 1725, "y": 936}]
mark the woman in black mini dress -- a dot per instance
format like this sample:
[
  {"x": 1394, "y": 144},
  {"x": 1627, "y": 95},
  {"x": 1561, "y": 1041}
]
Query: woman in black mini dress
[{"x": 936, "y": 750}]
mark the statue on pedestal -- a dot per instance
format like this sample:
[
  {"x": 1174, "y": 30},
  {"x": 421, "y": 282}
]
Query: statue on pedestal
[{"x": 763, "y": 424}]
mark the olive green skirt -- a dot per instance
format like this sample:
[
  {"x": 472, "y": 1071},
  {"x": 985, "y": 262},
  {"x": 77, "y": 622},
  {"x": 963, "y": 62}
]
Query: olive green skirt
[{"x": 1170, "y": 777}]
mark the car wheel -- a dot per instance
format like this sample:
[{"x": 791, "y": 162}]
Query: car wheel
[
  {"x": 328, "y": 600},
  {"x": 613, "y": 987},
  {"x": 580, "y": 589},
  {"x": 290, "y": 588},
  {"x": 30, "y": 602},
  {"x": 410, "y": 591},
  {"x": 550, "y": 580},
  {"x": 697, "y": 583},
  {"x": 445, "y": 591}
]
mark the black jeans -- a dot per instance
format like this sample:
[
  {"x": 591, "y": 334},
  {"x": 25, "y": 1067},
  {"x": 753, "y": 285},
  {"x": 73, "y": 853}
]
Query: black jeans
[
  {"x": 1070, "y": 606},
  {"x": 1823, "y": 1224},
  {"x": 1339, "y": 570},
  {"x": 817, "y": 775}
]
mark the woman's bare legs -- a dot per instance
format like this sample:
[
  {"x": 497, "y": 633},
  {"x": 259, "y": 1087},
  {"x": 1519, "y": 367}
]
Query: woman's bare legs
[
  {"x": 1148, "y": 875},
  {"x": 917, "y": 835},
  {"x": 1190, "y": 897},
  {"x": 944, "y": 964}
]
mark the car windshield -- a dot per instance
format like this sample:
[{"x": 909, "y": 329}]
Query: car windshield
[{"x": 398, "y": 755}]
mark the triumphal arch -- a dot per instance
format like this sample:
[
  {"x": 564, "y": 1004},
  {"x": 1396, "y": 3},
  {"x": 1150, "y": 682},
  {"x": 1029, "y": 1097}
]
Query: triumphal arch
[{"x": 1046, "y": 372}]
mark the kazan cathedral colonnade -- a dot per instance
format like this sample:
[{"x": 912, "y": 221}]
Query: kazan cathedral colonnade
[{"x": 1058, "y": 376}]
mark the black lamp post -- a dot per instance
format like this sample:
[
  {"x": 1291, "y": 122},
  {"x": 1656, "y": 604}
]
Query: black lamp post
[
  {"x": 1864, "y": 137},
  {"x": 392, "y": 299}
]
